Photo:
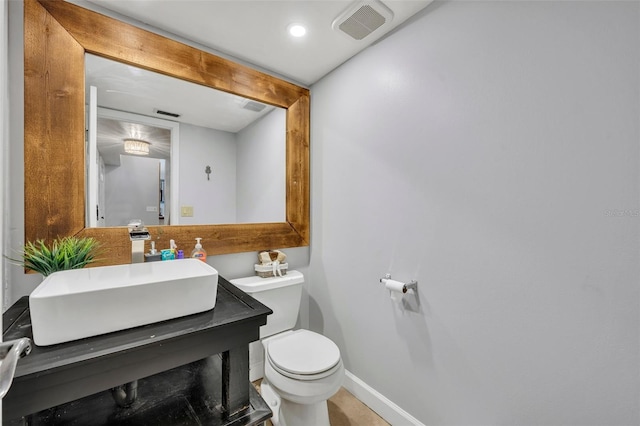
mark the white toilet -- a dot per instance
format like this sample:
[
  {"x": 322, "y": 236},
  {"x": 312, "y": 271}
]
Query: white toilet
[{"x": 300, "y": 369}]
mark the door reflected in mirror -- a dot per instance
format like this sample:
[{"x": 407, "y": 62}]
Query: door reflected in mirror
[{"x": 197, "y": 155}]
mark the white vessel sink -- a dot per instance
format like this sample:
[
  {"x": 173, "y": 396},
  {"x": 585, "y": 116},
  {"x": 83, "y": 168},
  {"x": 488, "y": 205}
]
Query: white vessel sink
[{"x": 79, "y": 303}]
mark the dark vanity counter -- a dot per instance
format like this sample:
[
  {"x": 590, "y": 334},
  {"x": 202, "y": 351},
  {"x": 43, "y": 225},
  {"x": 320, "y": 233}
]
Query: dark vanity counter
[{"x": 196, "y": 365}]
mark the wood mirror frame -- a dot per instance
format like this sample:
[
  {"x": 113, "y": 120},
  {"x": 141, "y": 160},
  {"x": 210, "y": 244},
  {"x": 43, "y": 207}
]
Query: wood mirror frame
[{"x": 57, "y": 35}]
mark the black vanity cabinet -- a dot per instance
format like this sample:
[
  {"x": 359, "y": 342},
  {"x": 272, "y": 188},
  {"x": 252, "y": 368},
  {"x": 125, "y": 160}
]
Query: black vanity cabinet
[{"x": 189, "y": 370}]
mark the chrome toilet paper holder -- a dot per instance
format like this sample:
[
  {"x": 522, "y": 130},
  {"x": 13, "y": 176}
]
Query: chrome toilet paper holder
[{"x": 411, "y": 285}]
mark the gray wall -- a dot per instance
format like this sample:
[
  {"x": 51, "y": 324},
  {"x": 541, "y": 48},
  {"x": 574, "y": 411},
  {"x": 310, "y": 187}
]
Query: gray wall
[
  {"x": 4, "y": 129},
  {"x": 261, "y": 169},
  {"x": 213, "y": 200},
  {"x": 16, "y": 283},
  {"x": 490, "y": 151},
  {"x": 131, "y": 187}
]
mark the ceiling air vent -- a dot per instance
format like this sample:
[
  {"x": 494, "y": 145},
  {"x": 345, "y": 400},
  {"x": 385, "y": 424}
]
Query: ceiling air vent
[
  {"x": 363, "y": 18},
  {"x": 170, "y": 114},
  {"x": 253, "y": 106}
]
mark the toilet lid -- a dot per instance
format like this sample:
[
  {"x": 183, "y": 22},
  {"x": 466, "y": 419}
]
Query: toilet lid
[{"x": 304, "y": 352}]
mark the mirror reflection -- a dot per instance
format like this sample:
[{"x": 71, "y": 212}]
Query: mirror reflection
[{"x": 172, "y": 152}]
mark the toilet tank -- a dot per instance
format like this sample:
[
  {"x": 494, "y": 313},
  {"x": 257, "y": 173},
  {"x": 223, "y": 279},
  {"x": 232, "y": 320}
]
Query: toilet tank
[{"x": 281, "y": 294}]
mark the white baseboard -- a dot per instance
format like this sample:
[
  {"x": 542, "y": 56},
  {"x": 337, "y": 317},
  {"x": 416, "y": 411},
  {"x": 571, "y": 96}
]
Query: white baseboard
[{"x": 378, "y": 402}]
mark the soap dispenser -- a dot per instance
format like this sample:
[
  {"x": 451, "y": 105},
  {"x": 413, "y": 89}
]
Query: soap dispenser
[
  {"x": 153, "y": 255},
  {"x": 198, "y": 252}
]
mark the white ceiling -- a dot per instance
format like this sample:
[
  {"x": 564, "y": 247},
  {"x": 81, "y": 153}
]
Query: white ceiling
[
  {"x": 126, "y": 88},
  {"x": 252, "y": 31},
  {"x": 255, "y": 31},
  {"x": 111, "y": 135}
]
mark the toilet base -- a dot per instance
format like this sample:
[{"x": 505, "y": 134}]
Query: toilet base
[
  {"x": 305, "y": 414},
  {"x": 287, "y": 413}
]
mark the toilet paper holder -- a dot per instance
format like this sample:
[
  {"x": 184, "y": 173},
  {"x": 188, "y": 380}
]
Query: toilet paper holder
[{"x": 412, "y": 285}]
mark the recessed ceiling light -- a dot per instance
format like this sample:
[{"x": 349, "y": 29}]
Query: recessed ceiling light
[{"x": 297, "y": 30}]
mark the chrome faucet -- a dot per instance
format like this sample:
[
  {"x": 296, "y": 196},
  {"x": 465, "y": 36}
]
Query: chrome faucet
[{"x": 138, "y": 234}]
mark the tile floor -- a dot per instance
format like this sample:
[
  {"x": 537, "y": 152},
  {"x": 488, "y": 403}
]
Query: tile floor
[{"x": 346, "y": 410}]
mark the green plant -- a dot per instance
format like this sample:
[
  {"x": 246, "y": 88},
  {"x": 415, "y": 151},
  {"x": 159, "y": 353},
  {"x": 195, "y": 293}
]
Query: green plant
[{"x": 64, "y": 253}]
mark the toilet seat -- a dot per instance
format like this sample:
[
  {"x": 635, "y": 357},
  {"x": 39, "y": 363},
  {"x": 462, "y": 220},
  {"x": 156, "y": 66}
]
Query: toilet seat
[{"x": 304, "y": 355}]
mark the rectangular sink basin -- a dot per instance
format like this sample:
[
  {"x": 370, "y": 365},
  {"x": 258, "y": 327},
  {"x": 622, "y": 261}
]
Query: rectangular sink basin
[{"x": 79, "y": 303}]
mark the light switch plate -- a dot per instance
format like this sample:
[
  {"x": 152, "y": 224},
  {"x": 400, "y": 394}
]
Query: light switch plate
[{"x": 186, "y": 211}]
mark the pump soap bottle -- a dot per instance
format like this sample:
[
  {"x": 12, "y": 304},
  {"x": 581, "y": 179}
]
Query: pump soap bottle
[
  {"x": 153, "y": 255},
  {"x": 198, "y": 252}
]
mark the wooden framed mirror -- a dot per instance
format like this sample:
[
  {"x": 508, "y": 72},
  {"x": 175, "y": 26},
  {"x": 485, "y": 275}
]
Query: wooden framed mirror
[{"x": 57, "y": 36}]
